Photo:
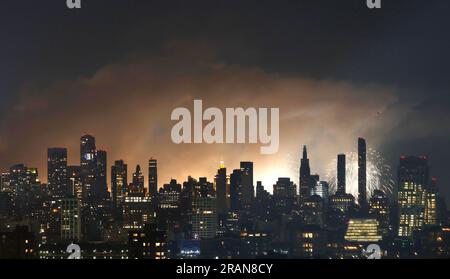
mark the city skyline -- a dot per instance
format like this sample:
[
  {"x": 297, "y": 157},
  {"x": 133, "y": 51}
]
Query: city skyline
[{"x": 43, "y": 173}]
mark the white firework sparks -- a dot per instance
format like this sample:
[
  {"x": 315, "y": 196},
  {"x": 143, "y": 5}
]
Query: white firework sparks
[{"x": 379, "y": 174}]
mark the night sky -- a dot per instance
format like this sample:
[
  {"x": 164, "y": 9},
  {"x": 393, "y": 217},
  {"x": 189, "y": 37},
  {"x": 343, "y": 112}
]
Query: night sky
[{"x": 117, "y": 69}]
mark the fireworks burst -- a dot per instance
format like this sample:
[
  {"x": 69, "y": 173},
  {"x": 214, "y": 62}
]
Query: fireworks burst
[{"x": 379, "y": 174}]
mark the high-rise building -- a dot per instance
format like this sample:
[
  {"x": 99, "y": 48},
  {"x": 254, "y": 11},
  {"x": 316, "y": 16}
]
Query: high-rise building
[
  {"x": 136, "y": 211},
  {"x": 248, "y": 191},
  {"x": 138, "y": 181},
  {"x": 75, "y": 182},
  {"x": 101, "y": 187},
  {"x": 169, "y": 195},
  {"x": 236, "y": 203},
  {"x": 204, "y": 217},
  {"x": 88, "y": 165},
  {"x": 362, "y": 175},
  {"x": 57, "y": 172},
  {"x": 119, "y": 183},
  {"x": 380, "y": 209},
  {"x": 221, "y": 186},
  {"x": 341, "y": 177},
  {"x": 153, "y": 177},
  {"x": 70, "y": 219},
  {"x": 413, "y": 178},
  {"x": 305, "y": 176}
]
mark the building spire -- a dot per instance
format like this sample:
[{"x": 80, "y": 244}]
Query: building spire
[{"x": 305, "y": 153}]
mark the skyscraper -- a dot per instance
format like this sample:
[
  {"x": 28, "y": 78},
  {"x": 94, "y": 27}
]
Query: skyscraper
[
  {"x": 152, "y": 178},
  {"x": 236, "y": 190},
  {"x": 248, "y": 191},
  {"x": 362, "y": 175},
  {"x": 119, "y": 183},
  {"x": 75, "y": 183},
  {"x": 220, "y": 181},
  {"x": 57, "y": 172},
  {"x": 413, "y": 178},
  {"x": 88, "y": 165},
  {"x": 341, "y": 179},
  {"x": 101, "y": 187},
  {"x": 138, "y": 181},
  {"x": 305, "y": 176}
]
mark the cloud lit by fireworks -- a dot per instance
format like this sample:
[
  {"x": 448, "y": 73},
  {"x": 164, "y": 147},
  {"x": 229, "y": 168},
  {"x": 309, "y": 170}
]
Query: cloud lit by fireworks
[{"x": 379, "y": 174}]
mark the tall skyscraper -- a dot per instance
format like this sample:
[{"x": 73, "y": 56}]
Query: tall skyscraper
[
  {"x": 57, "y": 172},
  {"x": 341, "y": 179},
  {"x": 75, "y": 181},
  {"x": 119, "y": 183},
  {"x": 362, "y": 175},
  {"x": 152, "y": 178},
  {"x": 101, "y": 187},
  {"x": 88, "y": 165},
  {"x": 413, "y": 178},
  {"x": 248, "y": 191},
  {"x": 220, "y": 181},
  {"x": 236, "y": 190},
  {"x": 138, "y": 181},
  {"x": 305, "y": 176}
]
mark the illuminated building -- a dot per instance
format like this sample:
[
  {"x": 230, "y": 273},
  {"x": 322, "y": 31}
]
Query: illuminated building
[
  {"x": 152, "y": 178},
  {"x": 169, "y": 203},
  {"x": 321, "y": 189},
  {"x": 254, "y": 244},
  {"x": 222, "y": 192},
  {"x": 310, "y": 242},
  {"x": 363, "y": 231},
  {"x": 431, "y": 204},
  {"x": 75, "y": 182},
  {"x": 379, "y": 209},
  {"x": 137, "y": 211},
  {"x": 148, "y": 243},
  {"x": 312, "y": 211},
  {"x": 343, "y": 202},
  {"x": 70, "y": 219},
  {"x": 413, "y": 175},
  {"x": 204, "y": 217},
  {"x": 4, "y": 182},
  {"x": 57, "y": 172},
  {"x": 88, "y": 165},
  {"x": 284, "y": 195},
  {"x": 362, "y": 175},
  {"x": 169, "y": 195},
  {"x": 119, "y": 183}
]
